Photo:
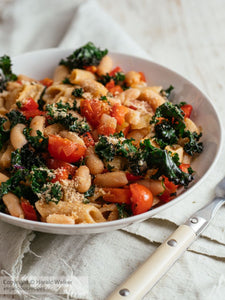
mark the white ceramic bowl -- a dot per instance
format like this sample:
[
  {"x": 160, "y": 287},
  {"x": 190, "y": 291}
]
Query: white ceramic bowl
[{"x": 40, "y": 64}]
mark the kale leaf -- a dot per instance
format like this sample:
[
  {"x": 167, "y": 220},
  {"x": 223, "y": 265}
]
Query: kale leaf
[
  {"x": 38, "y": 142},
  {"x": 104, "y": 149},
  {"x": 166, "y": 93},
  {"x": 88, "y": 55},
  {"x": 117, "y": 78},
  {"x": 90, "y": 192},
  {"x": 7, "y": 75},
  {"x": 78, "y": 92},
  {"x": 58, "y": 113},
  {"x": 16, "y": 117},
  {"x": 165, "y": 164},
  {"x": 11, "y": 184},
  {"x": 170, "y": 127},
  {"x": 4, "y": 134},
  {"x": 124, "y": 210},
  {"x": 192, "y": 146},
  {"x": 26, "y": 157},
  {"x": 142, "y": 158}
]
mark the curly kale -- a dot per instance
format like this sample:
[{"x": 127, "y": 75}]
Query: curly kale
[
  {"x": 192, "y": 146},
  {"x": 38, "y": 142},
  {"x": 16, "y": 117},
  {"x": 119, "y": 77},
  {"x": 26, "y": 158},
  {"x": 166, "y": 93},
  {"x": 4, "y": 134},
  {"x": 32, "y": 185},
  {"x": 108, "y": 150},
  {"x": 7, "y": 75},
  {"x": 78, "y": 92},
  {"x": 170, "y": 127},
  {"x": 11, "y": 184},
  {"x": 165, "y": 164},
  {"x": 124, "y": 210},
  {"x": 59, "y": 114},
  {"x": 88, "y": 55},
  {"x": 140, "y": 159}
]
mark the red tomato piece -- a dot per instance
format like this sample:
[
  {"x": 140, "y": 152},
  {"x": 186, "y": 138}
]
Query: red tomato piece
[
  {"x": 33, "y": 113},
  {"x": 114, "y": 71},
  {"x": 184, "y": 167},
  {"x": 116, "y": 90},
  {"x": 187, "y": 109},
  {"x": 28, "y": 210},
  {"x": 141, "y": 198},
  {"x": 142, "y": 76},
  {"x": 119, "y": 112},
  {"x": 88, "y": 139},
  {"x": 60, "y": 174},
  {"x": 117, "y": 195},
  {"x": 29, "y": 104},
  {"x": 170, "y": 188},
  {"x": 110, "y": 84},
  {"x": 59, "y": 164},
  {"x": 46, "y": 81},
  {"x": 64, "y": 149},
  {"x": 107, "y": 125},
  {"x": 92, "y": 69},
  {"x": 92, "y": 110},
  {"x": 131, "y": 177}
]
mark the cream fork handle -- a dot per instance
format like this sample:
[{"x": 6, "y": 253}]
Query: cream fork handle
[{"x": 147, "y": 275}]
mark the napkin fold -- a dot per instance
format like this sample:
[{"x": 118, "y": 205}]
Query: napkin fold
[{"x": 105, "y": 259}]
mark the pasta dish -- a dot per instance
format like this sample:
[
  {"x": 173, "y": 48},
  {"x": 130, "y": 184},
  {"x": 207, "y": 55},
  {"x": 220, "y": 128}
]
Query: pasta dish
[{"x": 91, "y": 144}]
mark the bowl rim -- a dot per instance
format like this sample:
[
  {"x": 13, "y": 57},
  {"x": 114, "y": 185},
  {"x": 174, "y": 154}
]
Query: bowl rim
[{"x": 132, "y": 219}]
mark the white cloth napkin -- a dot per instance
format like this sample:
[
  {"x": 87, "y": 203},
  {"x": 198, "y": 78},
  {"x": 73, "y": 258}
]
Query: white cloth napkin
[{"x": 106, "y": 259}]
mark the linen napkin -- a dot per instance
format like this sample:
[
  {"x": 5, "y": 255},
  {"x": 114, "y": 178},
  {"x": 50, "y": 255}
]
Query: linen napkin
[{"x": 105, "y": 259}]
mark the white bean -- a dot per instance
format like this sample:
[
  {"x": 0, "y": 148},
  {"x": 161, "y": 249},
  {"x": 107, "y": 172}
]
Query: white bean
[
  {"x": 83, "y": 179},
  {"x": 17, "y": 137},
  {"x": 12, "y": 203}
]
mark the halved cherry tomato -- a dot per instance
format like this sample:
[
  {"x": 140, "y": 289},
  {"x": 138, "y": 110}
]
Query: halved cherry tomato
[
  {"x": 60, "y": 174},
  {"x": 116, "y": 90},
  {"x": 88, "y": 139},
  {"x": 187, "y": 109},
  {"x": 119, "y": 112},
  {"x": 29, "y": 104},
  {"x": 131, "y": 177},
  {"x": 141, "y": 198},
  {"x": 92, "y": 69},
  {"x": 184, "y": 167},
  {"x": 142, "y": 76},
  {"x": 114, "y": 71},
  {"x": 117, "y": 195},
  {"x": 110, "y": 84},
  {"x": 92, "y": 110},
  {"x": 55, "y": 164},
  {"x": 46, "y": 81},
  {"x": 112, "y": 88},
  {"x": 29, "y": 211},
  {"x": 33, "y": 113},
  {"x": 64, "y": 149},
  {"x": 170, "y": 188}
]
